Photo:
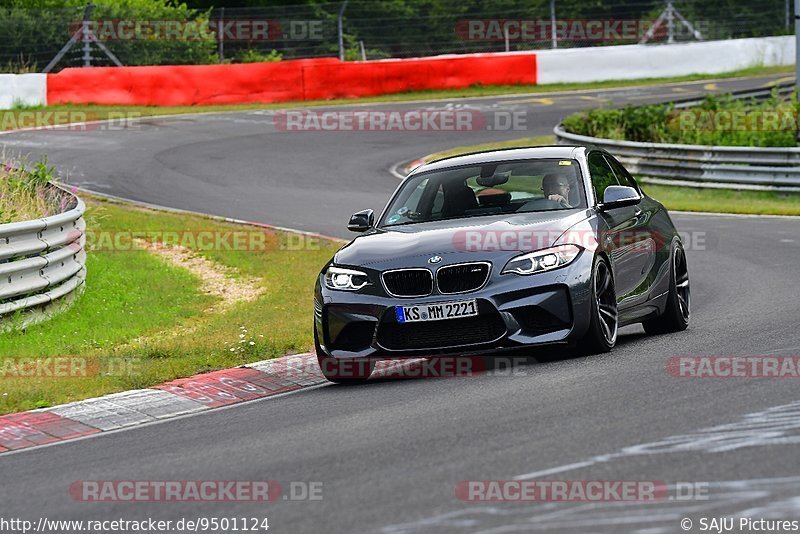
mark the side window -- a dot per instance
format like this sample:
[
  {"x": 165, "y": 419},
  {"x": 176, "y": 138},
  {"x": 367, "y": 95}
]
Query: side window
[
  {"x": 623, "y": 175},
  {"x": 602, "y": 175},
  {"x": 411, "y": 201}
]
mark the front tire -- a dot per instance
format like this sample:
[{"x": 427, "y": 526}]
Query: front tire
[
  {"x": 349, "y": 371},
  {"x": 678, "y": 310},
  {"x": 604, "y": 322}
]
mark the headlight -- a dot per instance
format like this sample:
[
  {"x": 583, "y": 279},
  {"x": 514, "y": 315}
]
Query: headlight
[
  {"x": 345, "y": 279},
  {"x": 543, "y": 260}
]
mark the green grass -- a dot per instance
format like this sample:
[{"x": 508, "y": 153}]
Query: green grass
[
  {"x": 725, "y": 200},
  {"x": 673, "y": 197},
  {"x": 127, "y": 294},
  {"x": 137, "y": 308},
  {"x": 99, "y": 112}
]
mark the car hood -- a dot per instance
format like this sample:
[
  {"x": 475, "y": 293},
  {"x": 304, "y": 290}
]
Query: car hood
[{"x": 508, "y": 236}]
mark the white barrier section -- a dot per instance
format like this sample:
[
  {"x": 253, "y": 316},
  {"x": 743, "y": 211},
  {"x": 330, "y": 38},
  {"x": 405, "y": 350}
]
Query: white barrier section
[
  {"x": 591, "y": 64},
  {"x": 27, "y": 89},
  {"x": 658, "y": 61}
]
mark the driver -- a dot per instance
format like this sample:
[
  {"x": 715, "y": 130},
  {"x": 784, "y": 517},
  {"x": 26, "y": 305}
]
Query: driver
[{"x": 556, "y": 187}]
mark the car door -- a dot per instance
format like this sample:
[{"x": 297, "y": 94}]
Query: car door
[
  {"x": 631, "y": 251},
  {"x": 647, "y": 238}
]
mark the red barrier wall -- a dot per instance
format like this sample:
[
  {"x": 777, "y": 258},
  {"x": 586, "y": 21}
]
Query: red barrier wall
[
  {"x": 295, "y": 80},
  {"x": 180, "y": 85},
  {"x": 351, "y": 79}
]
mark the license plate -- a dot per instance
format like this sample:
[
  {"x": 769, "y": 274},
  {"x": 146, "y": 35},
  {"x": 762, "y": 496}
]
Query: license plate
[{"x": 436, "y": 312}]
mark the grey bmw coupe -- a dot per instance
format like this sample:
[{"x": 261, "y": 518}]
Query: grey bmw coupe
[{"x": 499, "y": 250}]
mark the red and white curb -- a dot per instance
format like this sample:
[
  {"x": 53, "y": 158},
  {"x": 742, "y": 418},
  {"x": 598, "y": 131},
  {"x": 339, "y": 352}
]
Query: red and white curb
[
  {"x": 173, "y": 399},
  {"x": 184, "y": 396}
]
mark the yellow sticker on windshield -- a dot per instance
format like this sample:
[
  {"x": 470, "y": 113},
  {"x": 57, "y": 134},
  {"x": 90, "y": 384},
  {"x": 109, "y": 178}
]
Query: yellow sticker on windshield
[{"x": 565, "y": 162}]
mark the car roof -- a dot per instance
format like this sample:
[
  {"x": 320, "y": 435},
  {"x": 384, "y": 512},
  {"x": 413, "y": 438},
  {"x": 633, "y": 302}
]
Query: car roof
[{"x": 477, "y": 158}]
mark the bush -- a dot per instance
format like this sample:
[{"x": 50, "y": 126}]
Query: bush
[
  {"x": 24, "y": 194},
  {"x": 256, "y": 56},
  {"x": 719, "y": 120}
]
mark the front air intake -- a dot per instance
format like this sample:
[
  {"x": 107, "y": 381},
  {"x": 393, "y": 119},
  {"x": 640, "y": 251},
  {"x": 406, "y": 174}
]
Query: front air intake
[
  {"x": 408, "y": 282},
  {"x": 462, "y": 278}
]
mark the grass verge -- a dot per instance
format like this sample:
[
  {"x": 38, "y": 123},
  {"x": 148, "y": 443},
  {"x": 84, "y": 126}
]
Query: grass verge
[
  {"x": 80, "y": 113},
  {"x": 725, "y": 200},
  {"x": 143, "y": 321},
  {"x": 673, "y": 197}
]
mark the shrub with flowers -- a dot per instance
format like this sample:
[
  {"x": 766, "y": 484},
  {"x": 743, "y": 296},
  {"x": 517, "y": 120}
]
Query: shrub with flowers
[{"x": 245, "y": 344}]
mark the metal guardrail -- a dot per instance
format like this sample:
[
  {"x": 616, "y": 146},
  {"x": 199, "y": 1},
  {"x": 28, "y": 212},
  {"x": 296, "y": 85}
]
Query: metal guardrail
[
  {"x": 777, "y": 168},
  {"x": 44, "y": 260}
]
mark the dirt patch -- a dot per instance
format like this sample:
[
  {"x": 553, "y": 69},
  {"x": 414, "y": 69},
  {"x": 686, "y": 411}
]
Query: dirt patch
[{"x": 215, "y": 279}]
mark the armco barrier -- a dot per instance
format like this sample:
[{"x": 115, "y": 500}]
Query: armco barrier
[
  {"x": 778, "y": 168},
  {"x": 43, "y": 260},
  {"x": 283, "y": 81}
]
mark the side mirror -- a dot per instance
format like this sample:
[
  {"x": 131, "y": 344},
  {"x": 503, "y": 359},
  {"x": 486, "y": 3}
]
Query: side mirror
[
  {"x": 618, "y": 196},
  {"x": 361, "y": 221}
]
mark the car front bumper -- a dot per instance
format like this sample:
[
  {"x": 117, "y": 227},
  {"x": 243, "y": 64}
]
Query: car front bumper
[{"x": 513, "y": 311}]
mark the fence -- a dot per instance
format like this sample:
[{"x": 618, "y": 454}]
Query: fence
[
  {"x": 42, "y": 261},
  {"x": 177, "y": 35}
]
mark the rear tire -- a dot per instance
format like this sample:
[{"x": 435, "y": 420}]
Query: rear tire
[
  {"x": 676, "y": 315},
  {"x": 604, "y": 323}
]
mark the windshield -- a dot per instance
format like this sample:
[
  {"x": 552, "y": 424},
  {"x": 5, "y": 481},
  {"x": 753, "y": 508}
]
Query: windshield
[{"x": 488, "y": 189}]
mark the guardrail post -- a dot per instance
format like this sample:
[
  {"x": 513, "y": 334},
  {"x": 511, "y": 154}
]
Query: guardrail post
[
  {"x": 221, "y": 35},
  {"x": 797, "y": 52},
  {"x": 670, "y": 23},
  {"x": 86, "y": 35},
  {"x": 341, "y": 31}
]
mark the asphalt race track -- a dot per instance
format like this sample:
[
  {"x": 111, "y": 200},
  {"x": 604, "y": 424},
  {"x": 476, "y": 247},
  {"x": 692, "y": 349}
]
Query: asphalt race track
[
  {"x": 240, "y": 165},
  {"x": 390, "y": 454}
]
